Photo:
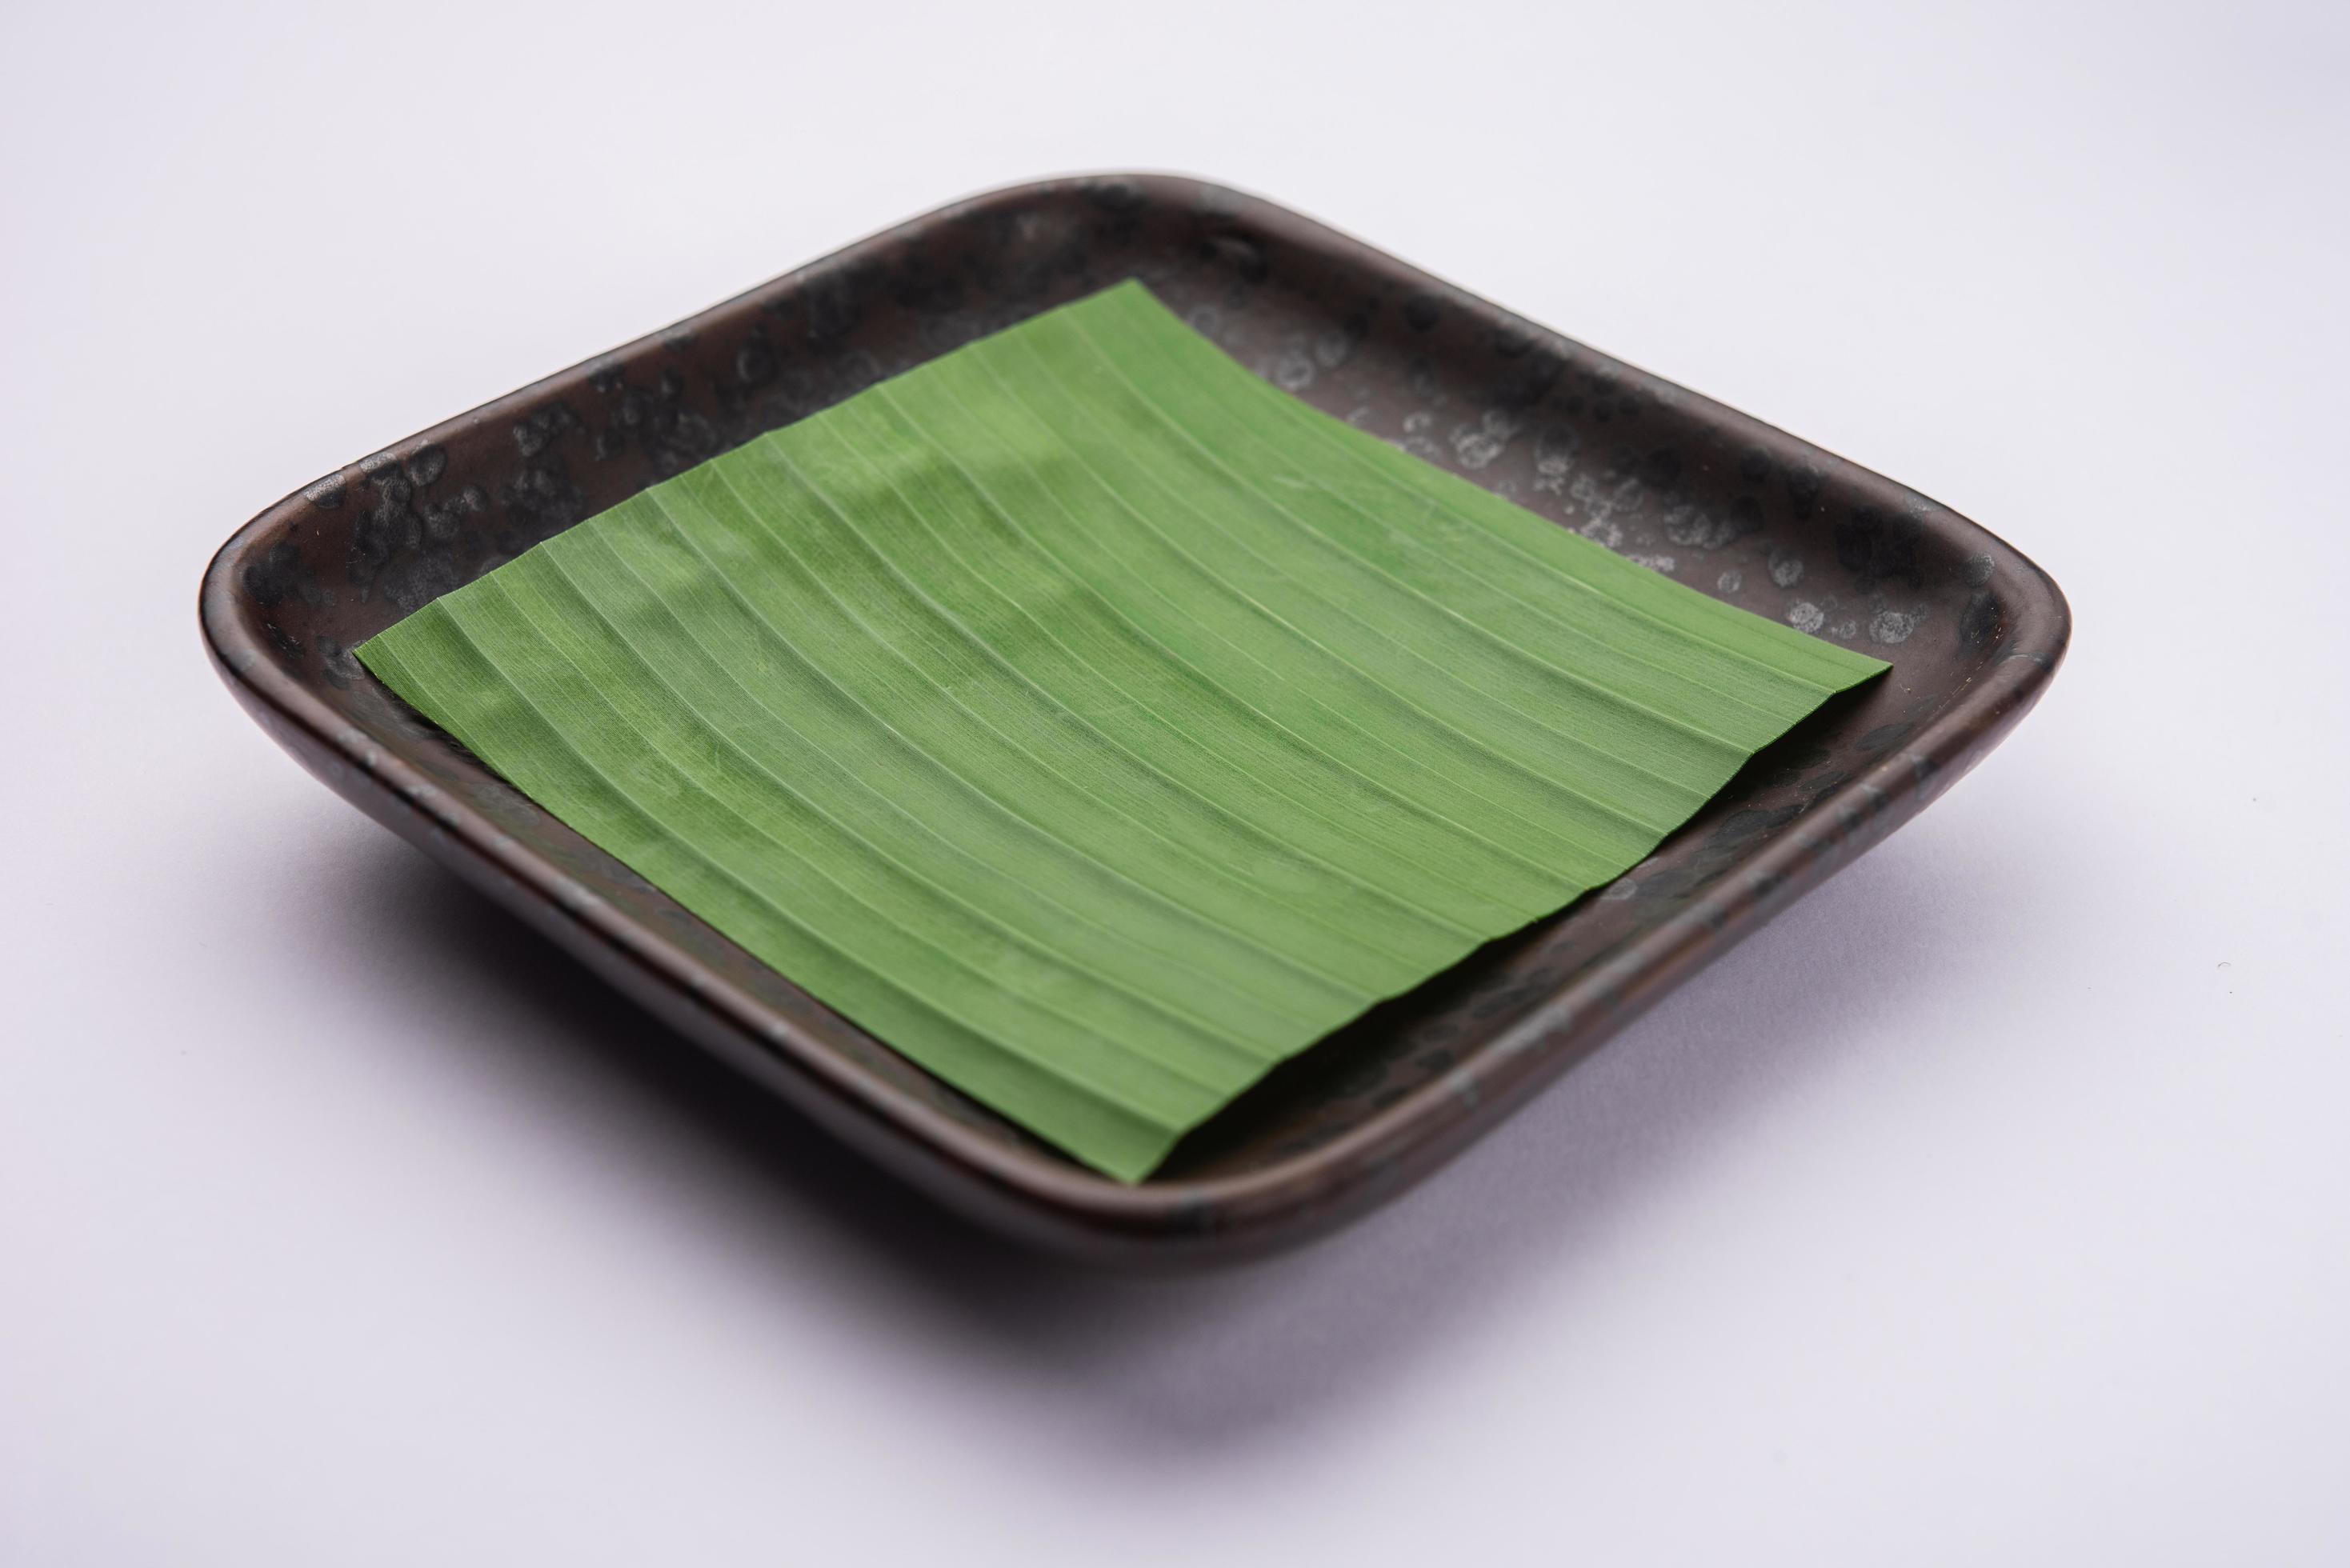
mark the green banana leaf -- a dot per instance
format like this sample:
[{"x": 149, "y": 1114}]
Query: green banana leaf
[{"x": 1097, "y": 725}]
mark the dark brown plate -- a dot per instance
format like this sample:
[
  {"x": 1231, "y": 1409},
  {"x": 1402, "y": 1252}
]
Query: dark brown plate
[{"x": 1974, "y": 631}]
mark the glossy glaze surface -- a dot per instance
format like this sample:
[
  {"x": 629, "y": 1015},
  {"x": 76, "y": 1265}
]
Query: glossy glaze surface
[{"x": 1731, "y": 506}]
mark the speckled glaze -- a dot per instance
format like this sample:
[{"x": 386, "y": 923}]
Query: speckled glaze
[{"x": 1668, "y": 478}]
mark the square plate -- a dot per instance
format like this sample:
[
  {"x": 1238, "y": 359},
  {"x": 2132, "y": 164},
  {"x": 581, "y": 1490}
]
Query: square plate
[{"x": 1973, "y": 629}]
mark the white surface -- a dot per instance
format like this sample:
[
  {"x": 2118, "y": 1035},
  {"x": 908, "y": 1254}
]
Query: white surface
[{"x": 1991, "y": 1207}]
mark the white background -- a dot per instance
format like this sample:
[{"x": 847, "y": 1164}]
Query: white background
[{"x": 1993, "y": 1205}]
